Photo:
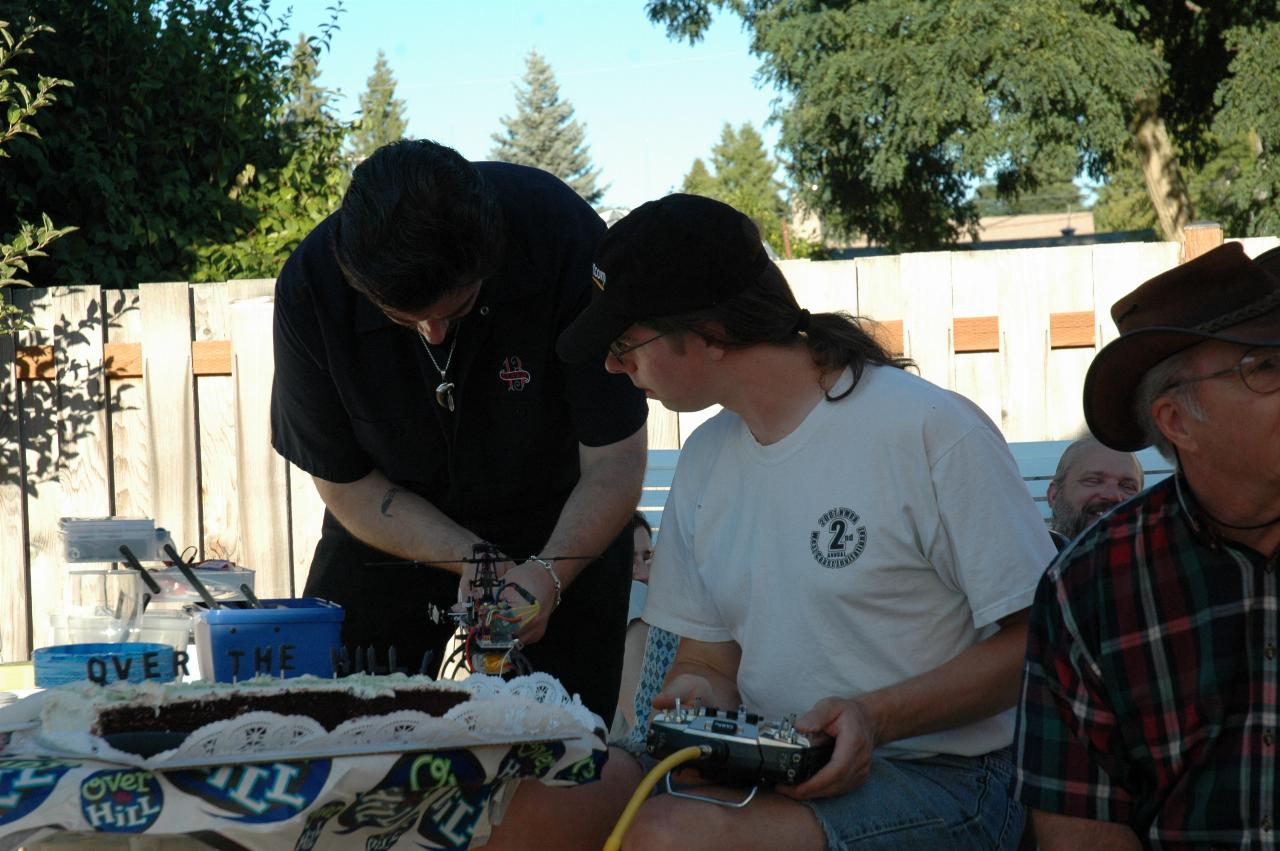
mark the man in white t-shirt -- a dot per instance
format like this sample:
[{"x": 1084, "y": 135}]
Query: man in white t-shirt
[{"x": 845, "y": 542}]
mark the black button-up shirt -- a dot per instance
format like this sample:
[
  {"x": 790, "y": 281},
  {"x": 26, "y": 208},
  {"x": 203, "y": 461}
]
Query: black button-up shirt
[{"x": 354, "y": 391}]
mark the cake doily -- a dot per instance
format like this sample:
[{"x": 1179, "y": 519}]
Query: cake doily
[{"x": 531, "y": 708}]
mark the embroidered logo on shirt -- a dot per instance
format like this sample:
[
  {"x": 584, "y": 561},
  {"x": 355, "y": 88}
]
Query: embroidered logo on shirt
[
  {"x": 514, "y": 373},
  {"x": 838, "y": 540},
  {"x": 598, "y": 277}
]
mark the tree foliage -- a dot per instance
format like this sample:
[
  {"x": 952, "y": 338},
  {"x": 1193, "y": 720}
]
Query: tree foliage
[
  {"x": 1251, "y": 114},
  {"x": 1059, "y": 196},
  {"x": 1055, "y": 192},
  {"x": 1221, "y": 188},
  {"x": 744, "y": 179},
  {"x": 894, "y": 108},
  {"x": 382, "y": 119},
  {"x": 543, "y": 133},
  {"x": 699, "y": 180},
  {"x": 174, "y": 153},
  {"x": 289, "y": 201},
  {"x": 20, "y": 104},
  {"x": 309, "y": 102}
]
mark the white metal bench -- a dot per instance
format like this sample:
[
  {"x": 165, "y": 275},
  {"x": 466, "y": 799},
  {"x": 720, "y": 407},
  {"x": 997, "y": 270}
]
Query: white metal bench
[{"x": 1036, "y": 460}]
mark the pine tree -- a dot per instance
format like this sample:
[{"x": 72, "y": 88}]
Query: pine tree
[
  {"x": 743, "y": 179},
  {"x": 309, "y": 101},
  {"x": 699, "y": 181},
  {"x": 381, "y": 112},
  {"x": 543, "y": 133}
]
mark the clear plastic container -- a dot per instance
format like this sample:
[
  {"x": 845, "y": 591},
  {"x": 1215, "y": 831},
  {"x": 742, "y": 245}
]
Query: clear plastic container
[
  {"x": 165, "y": 627},
  {"x": 90, "y": 629},
  {"x": 103, "y": 593},
  {"x": 223, "y": 584},
  {"x": 98, "y": 539}
]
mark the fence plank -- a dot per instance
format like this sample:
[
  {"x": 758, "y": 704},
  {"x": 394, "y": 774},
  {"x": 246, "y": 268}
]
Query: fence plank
[
  {"x": 879, "y": 299},
  {"x": 39, "y": 417},
  {"x": 1255, "y": 245},
  {"x": 925, "y": 282},
  {"x": 663, "y": 427},
  {"x": 1068, "y": 274},
  {"x": 976, "y": 333},
  {"x": 83, "y": 463},
  {"x": 262, "y": 482},
  {"x": 827, "y": 286},
  {"x": 1024, "y": 312},
  {"x": 977, "y": 374},
  {"x": 15, "y": 629},
  {"x": 130, "y": 429},
  {"x": 124, "y": 360},
  {"x": 1118, "y": 269},
  {"x": 220, "y": 512},
  {"x": 1074, "y": 329},
  {"x": 170, "y": 394},
  {"x": 306, "y": 514},
  {"x": 34, "y": 363},
  {"x": 84, "y": 468},
  {"x": 1200, "y": 238}
]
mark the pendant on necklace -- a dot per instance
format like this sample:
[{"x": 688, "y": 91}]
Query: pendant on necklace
[{"x": 444, "y": 395}]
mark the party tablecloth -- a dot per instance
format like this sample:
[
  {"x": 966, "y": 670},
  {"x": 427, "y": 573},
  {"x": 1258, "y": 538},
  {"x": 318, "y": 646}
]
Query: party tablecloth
[{"x": 266, "y": 782}]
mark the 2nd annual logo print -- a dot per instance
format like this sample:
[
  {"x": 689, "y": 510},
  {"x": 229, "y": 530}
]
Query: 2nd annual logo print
[{"x": 839, "y": 538}]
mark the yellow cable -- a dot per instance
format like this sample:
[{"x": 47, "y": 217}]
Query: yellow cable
[{"x": 614, "y": 842}]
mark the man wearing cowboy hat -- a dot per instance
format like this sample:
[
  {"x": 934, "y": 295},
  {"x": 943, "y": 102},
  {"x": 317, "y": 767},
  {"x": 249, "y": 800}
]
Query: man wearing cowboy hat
[{"x": 1149, "y": 707}]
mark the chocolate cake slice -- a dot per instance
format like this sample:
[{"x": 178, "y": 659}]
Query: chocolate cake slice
[{"x": 185, "y": 707}]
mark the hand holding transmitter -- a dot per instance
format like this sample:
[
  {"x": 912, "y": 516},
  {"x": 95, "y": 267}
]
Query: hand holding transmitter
[{"x": 745, "y": 748}]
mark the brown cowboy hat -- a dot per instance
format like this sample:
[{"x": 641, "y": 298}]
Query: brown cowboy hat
[{"x": 1220, "y": 295}]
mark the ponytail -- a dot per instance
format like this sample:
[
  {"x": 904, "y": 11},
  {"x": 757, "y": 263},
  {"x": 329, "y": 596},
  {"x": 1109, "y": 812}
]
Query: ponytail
[{"x": 768, "y": 314}]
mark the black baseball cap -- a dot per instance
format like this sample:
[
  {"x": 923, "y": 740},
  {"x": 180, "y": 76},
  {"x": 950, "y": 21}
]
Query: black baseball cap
[{"x": 676, "y": 255}]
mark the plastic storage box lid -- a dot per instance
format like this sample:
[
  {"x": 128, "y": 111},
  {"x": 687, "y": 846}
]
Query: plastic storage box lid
[{"x": 300, "y": 610}]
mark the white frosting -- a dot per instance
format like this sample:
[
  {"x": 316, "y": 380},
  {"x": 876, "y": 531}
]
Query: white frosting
[
  {"x": 530, "y": 708},
  {"x": 74, "y": 708}
]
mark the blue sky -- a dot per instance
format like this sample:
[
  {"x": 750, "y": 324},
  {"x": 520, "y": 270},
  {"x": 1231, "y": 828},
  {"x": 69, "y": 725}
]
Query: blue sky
[{"x": 650, "y": 104}]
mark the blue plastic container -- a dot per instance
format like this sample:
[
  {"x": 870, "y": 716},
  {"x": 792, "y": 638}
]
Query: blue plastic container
[
  {"x": 286, "y": 638},
  {"x": 104, "y": 663}
]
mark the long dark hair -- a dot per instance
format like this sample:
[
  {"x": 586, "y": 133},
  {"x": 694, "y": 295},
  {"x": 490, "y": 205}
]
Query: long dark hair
[
  {"x": 417, "y": 222},
  {"x": 768, "y": 313}
]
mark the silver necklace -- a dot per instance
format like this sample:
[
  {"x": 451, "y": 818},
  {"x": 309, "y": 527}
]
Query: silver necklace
[{"x": 444, "y": 390}]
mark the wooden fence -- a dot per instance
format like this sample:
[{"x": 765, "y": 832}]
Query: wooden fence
[
  {"x": 144, "y": 403},
  {"x": 1013, "y": 330},
  {"x": 154, "y": 402}
]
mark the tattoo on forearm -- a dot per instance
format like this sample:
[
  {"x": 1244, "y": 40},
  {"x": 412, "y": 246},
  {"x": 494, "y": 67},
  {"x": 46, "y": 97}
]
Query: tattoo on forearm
[{"x": 387, "y": 499}]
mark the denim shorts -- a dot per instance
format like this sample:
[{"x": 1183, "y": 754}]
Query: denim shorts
[{"x": 953, "y": 802}]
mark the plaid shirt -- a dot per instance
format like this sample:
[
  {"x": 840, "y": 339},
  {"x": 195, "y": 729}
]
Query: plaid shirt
[{"x": 1149, "y": 689}]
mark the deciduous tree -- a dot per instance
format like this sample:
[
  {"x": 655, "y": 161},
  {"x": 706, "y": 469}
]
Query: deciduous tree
[
  {"x": 895, "y": 108},
  {"x": 20, "y": 101},
  {"x": 167, "y": 146},
  {"x": 285, "y": 204}
]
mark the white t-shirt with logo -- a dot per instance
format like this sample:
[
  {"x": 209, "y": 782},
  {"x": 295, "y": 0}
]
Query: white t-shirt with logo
[{"x": 886, "y": 534}]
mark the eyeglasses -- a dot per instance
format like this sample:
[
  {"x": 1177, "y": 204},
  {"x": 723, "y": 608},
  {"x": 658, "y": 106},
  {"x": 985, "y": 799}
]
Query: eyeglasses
[
  {"x": 620, "y": 350},
  {"x": 1259, "y": 370}
]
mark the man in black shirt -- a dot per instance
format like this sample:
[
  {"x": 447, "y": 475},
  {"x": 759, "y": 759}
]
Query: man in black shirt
[{"x": 416, "y": 381}]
